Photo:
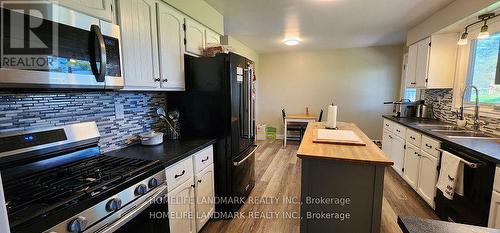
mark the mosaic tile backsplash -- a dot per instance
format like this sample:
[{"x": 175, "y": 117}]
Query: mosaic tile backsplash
[
  {"x": 34, "y": 110},
  {"x": 443, "y": 110}
]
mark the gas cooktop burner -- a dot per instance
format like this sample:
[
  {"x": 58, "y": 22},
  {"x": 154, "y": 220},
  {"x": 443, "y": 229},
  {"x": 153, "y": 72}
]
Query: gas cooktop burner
[{"x": 43, "y": 193}]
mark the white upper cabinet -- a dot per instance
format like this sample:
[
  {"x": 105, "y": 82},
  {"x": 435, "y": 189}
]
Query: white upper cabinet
[
  {"x": 411, "y": 69},
  {"x": 171, "y": 47},
  {"x": 195, "y": 37},
  {"x": 432, "y": 62},
  {"x": 139, "y": 43},
  {"x": 155, "y": 37},
  {"x": 102, "y": 9},
  {"x": 423, "y": 48},
  {"x": 211, "y": 37}
]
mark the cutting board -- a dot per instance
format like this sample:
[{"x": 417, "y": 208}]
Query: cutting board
[{"x": 343, "y": 137}]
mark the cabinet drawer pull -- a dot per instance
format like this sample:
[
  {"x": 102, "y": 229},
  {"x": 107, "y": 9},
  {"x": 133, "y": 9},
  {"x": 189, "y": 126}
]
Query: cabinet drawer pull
[
  {"x": 387, "y": 125},
  {"x": 390, "y": 136},
  {"x": 165, "y": 80},
  {"x": 204, "y": 160},
  {"x": 397, "y": 130},
  {"x": 157, "y": 79},
  {"x": 412, "y": 137},
  {"x": 199, "y": 181},
  {"x": 182, "y": 173},
  {"x": 427, "y": 145}
]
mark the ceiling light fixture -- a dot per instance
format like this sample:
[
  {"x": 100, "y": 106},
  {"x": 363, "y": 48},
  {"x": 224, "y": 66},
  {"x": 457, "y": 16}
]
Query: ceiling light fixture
[
  {"x": 484, "y": 32},
  {"x": 484, "y": 29},
  {"x": 463, "y": 38},
  {"x": 291, "y": 41}
]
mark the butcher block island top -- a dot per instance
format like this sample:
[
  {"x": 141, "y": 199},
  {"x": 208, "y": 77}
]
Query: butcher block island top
[{"x": 369, "y": 154}]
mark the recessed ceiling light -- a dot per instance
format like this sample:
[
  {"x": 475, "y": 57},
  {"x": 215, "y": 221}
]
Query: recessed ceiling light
[{"x": 291, "y": 41}]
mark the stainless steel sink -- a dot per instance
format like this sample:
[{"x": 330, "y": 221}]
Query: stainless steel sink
[{"x": 464, "y": 133}]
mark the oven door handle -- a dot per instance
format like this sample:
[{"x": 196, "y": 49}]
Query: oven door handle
[
  {"x": 100, "y": 74},
  {"x": 248, "y": 156},
  {"x": 133, "y": 212}
]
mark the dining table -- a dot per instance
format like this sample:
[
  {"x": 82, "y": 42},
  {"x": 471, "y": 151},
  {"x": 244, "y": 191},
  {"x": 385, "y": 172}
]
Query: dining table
[{"x": 298, "y": 118}]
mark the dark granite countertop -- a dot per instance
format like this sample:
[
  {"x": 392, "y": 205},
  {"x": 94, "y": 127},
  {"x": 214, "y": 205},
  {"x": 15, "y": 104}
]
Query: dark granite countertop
[
  {"x": 420, "y": 225},
  {"x": 170, "y": 152},
  {"x": 487, "y": 149}
]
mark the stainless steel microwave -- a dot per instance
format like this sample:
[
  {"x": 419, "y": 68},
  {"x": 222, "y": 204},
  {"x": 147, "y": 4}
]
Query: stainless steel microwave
[{"x": 87, "y": 52}]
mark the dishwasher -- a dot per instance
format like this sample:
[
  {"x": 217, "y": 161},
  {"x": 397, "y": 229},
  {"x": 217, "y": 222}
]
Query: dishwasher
[{"x": 473, "y": 207}]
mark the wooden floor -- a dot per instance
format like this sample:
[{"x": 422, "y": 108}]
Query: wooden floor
[{"x": 278, "y": 177}]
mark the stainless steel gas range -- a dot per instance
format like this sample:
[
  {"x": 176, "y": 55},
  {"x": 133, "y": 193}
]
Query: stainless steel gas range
[{"x": 55, "y": 180}]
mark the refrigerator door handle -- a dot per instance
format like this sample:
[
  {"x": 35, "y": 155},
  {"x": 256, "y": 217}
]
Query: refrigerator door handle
[
  {"x": 249, "y": 106},
  {"x": 246, "y": 157}
]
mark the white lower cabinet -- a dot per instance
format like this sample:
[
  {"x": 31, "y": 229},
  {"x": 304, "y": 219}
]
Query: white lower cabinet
[
  {"x": 427, "y": 177},
  {"x": 494, "y": 219},
  {"x": 387, "y": 143},
  {"x": 410, "y": 174},
  {"x": 394, "y": 147},
  {"x": 415, "y": 157},
  {"x": 205, "y": 195},
  {"x": 398, "y": 153},
  {"x": 421, "y": 172},
  {"x": 181, "y": 208},
  {"x": 191, "y": 192}
]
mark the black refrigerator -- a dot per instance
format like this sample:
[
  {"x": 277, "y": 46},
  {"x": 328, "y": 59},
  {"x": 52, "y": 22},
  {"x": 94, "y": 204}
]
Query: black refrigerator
[{"x": 218, "y": 103}]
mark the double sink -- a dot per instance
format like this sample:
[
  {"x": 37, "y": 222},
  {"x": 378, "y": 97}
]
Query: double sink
[{"x": 452, "y": 131}]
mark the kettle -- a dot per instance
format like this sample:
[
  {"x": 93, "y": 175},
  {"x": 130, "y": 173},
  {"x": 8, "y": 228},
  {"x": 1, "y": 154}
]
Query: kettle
[{"x": 424, "y": 110}]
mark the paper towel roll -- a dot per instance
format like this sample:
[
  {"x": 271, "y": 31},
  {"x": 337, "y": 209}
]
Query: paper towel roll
[{"x": 331, "y": 120}]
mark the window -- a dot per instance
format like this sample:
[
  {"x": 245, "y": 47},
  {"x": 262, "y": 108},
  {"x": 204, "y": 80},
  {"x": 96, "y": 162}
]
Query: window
[
  {"x": 483, "y": 68},
  {"x": 410, "y": 93}
]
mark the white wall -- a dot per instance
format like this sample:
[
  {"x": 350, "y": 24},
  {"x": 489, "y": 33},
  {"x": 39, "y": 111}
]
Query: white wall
[{"x": 358, "y": 80}]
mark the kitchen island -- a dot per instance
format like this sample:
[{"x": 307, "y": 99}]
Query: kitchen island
[{"x": 341, "y": 185}]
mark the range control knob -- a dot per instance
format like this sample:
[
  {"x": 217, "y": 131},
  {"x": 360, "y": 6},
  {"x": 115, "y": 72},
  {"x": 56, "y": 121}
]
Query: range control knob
[
  {"x": 153, "y": 183},
  {"x": 141, "y": 190},
  {"x": 113, "y": 204},
  {"x": 77, "y": 225}
]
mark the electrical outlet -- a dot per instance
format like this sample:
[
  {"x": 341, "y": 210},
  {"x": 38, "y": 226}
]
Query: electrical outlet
[{"x": 119, "y": 111}]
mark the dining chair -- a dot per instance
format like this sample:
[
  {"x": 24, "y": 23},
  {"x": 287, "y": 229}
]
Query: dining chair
[{"x": 292, "y": 127}]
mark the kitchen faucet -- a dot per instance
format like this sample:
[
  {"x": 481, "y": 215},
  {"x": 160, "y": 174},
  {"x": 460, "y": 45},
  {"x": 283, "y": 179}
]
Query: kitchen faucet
[{"x": 477, "y": 124}]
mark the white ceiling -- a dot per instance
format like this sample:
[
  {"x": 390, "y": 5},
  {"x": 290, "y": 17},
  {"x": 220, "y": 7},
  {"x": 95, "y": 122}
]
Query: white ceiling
[{"x": 263, "y": 24}]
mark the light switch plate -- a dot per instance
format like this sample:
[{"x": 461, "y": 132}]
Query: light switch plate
[{"x": 119, "y": 111}]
